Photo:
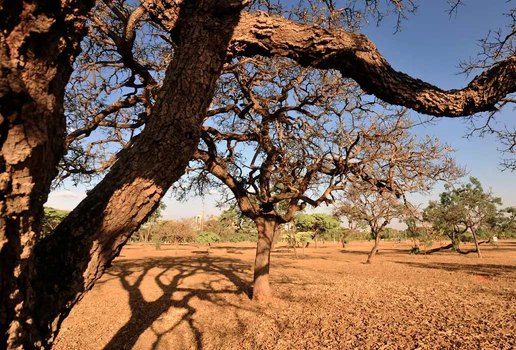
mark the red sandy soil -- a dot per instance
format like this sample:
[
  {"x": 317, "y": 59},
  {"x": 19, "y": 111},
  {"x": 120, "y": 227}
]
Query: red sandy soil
[{"x": 181, "y": 297}]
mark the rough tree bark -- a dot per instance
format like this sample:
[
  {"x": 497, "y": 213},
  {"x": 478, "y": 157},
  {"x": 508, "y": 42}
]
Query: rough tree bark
[
  {"x": 261, "y": 287},
  {"x": 39, "y": 41},
  {"x": 67, "y": 263},
  {"x": 372, "y": 253},
  {"x": 356, "y": 57}
]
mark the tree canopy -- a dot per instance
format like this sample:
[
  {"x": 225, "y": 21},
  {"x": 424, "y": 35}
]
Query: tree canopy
[{"x": 467, "y": 208}]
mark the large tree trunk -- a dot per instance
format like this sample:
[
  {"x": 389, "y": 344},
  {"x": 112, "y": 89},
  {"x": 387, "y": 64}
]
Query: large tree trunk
[
  {"x": 68, "y": 262},
  {"x": 261, "y": 287},
  {"x": 373, "y": 251},
  {"x": 39, "y": 41}
]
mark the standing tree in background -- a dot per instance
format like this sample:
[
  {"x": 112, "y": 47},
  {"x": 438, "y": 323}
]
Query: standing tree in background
[
  {"x": 51, "y": 219},
  {"x": 318, "y": 224},
  {"x": 467, "y": 208},
  {"x": 232, "y": 226},
  {"x": 374, "y": 208},
  {"x": 506, "y": 222},
  {"x": 42, "y": 279},
  {"x": 145, "y": 230},
  {"x": 417, "y": 230}
]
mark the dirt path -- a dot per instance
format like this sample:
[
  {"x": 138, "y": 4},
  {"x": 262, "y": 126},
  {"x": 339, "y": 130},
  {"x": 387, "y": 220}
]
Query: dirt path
[{"x": 184, "y": 298}]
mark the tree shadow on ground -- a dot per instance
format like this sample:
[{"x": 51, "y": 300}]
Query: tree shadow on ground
[
  {"x": 234, "y": 247},
  {"x": 170, "y": 278},
  {"x": 484, "y": 270},
  {"x": 380, "y": 252}
]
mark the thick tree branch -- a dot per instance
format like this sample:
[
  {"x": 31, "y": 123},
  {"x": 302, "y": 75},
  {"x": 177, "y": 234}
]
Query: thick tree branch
[
  {"x": 69, "y": 261},
  {"x": 356, "y": 57},
  {"x": 216, "y": 166}
]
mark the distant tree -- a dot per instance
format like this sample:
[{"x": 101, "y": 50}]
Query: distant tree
[
  {"x": 208, "y": 237},
  {"x": 232, "y": 226},
  {"x": 466, "y": 209},
  {"x": 177, "y": 231},
  {"x": 416, "y": 231},
  {"x": 52, "y": 217},
  {"x": 506, "y": 222},
  {"x": 371, "y": 207},
  {"x": 145, "y": 231},
  {"x": 318, "y": 224}
]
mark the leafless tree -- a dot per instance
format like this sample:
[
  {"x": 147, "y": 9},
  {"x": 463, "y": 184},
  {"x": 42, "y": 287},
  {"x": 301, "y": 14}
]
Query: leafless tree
[
  {"x": 374, "y": 209},
  {"x": 41, "y": 279}
]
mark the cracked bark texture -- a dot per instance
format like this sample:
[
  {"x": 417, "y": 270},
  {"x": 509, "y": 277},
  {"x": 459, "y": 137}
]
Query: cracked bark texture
[
  {"x": 38, "y": 43},
  {"x": 356, "y": 57},
  {"x": 70, "y": 260}
]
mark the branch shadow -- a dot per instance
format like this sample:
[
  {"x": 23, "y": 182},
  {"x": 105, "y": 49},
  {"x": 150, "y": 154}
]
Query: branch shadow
[
  {"x": 380, "y": 252},
  {"x": 175, "y": 293},
  {"x": 483, "y": 270}
]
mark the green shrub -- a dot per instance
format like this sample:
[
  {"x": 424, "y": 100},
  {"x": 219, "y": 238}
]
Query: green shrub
[
  {"x": 207, "y": 237},
  {"x": 466, "y": 238},
  {"x": 304, "y": 237}
]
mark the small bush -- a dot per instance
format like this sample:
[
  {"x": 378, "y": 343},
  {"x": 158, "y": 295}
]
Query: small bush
[
  {"x": 208, "y": 237},
  {"x": 466, "y": 238}
]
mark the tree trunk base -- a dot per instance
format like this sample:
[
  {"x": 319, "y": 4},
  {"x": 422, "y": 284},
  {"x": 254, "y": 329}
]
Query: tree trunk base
[
  {"x": 262, "y": 297},
  {"x": 262, "y": 290},
  {"x": 261, "y": 286}
]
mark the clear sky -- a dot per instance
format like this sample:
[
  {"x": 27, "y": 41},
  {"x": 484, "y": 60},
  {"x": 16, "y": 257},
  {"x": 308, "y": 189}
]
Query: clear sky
[{"x": 430, "y": 46}]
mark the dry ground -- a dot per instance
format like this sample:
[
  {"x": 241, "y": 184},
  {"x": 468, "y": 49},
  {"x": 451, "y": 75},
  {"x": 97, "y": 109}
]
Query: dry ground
[{"x": 183, "y": 298}]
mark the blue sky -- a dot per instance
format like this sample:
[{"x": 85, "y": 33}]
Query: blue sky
[{"x": 430, "y": 46}]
